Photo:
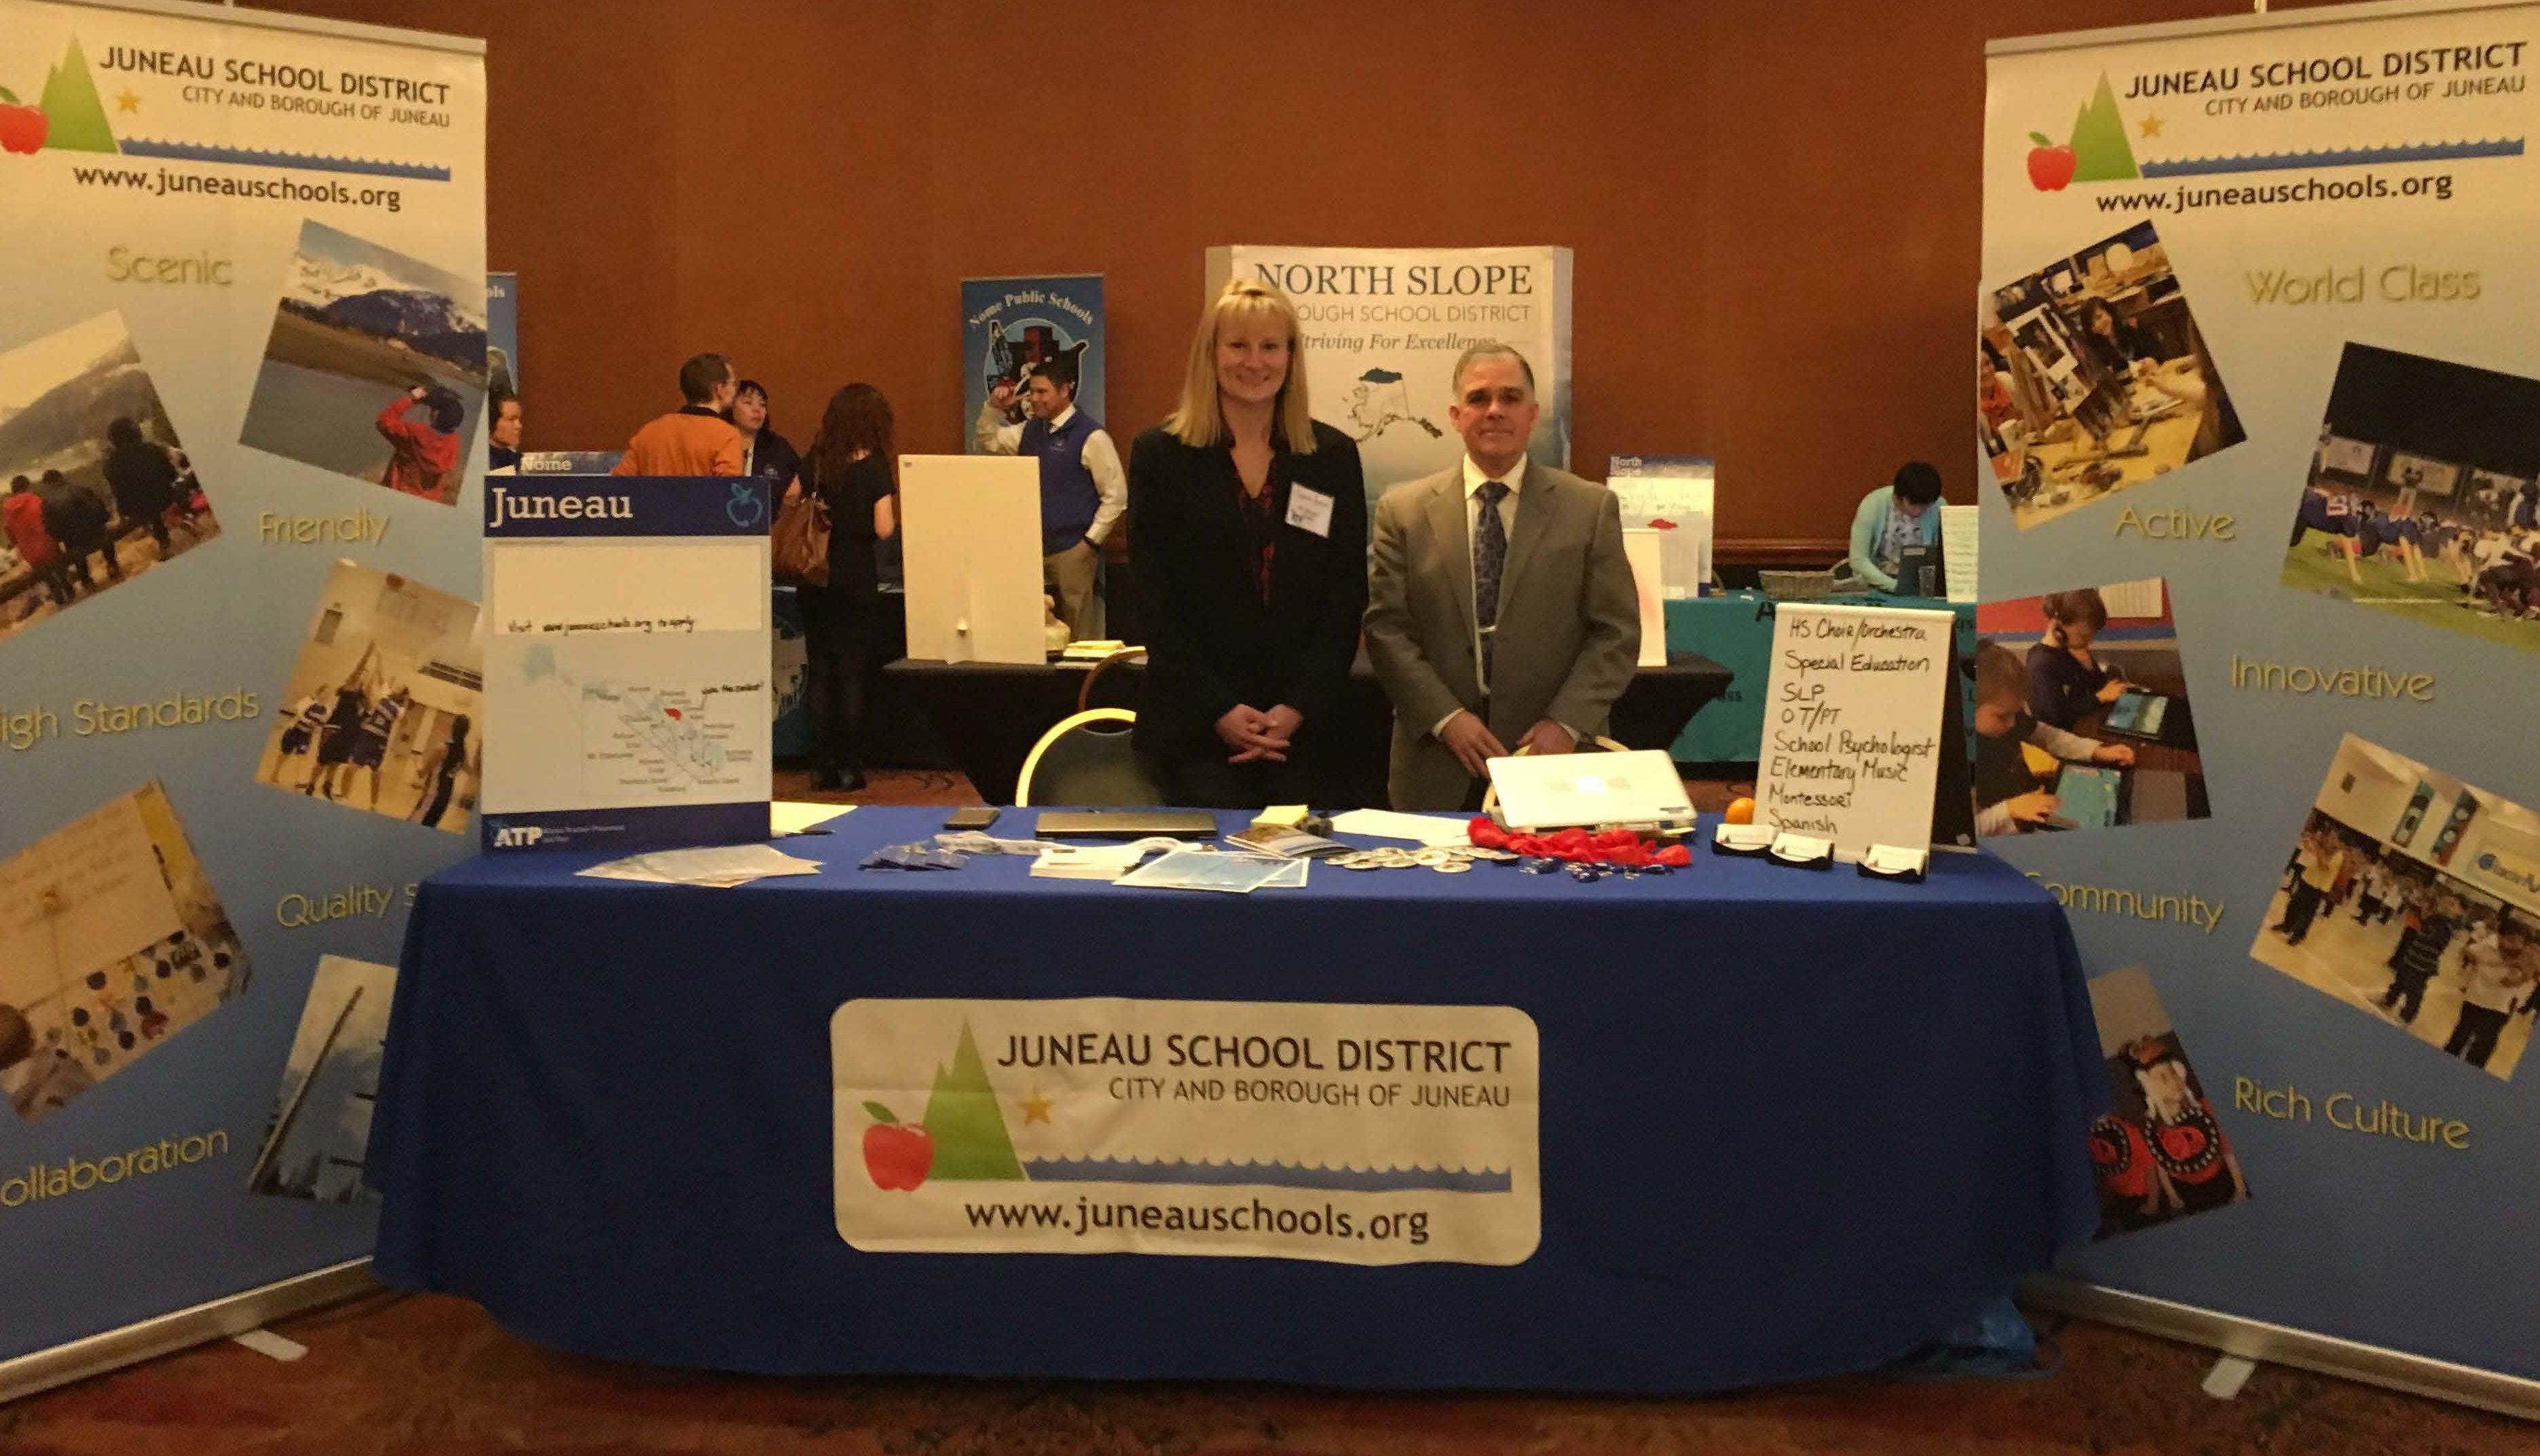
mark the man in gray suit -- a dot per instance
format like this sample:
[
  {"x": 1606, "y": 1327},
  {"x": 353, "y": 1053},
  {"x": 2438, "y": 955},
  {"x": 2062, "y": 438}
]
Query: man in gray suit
[{"x": 1500, "y": 605}]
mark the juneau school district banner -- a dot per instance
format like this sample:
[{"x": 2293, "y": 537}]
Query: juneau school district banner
[
  {"x": 242, "y": 366},
  {"x": 1344, "y": 1133},
  {"x": 2256, "y": 363}
]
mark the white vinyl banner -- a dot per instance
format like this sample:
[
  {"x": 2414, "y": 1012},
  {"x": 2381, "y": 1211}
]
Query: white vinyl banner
[
  {"x": 1346, "y": 1133},
  {"x": 1383, "y": 327},
  {"x": 2257, "y": 319},
  {"x": 242, "y": 358}
]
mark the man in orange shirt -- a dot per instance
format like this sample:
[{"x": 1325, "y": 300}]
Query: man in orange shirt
[{"x": 694, "y": 439}]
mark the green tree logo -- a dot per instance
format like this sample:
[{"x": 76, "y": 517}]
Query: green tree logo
[
  {"x": 962, "y": 1115},
  {"x": 76, "y": 117}
]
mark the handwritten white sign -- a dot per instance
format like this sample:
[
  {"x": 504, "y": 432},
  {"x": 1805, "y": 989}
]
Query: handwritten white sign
[{"x": 1852, "y": 724}]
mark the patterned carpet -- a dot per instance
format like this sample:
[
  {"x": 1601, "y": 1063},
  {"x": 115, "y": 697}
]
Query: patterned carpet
[{"x": 431, "y": 1376}]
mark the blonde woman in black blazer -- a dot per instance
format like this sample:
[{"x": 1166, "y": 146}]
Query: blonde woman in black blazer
[{"x": 1247, "y": 527}]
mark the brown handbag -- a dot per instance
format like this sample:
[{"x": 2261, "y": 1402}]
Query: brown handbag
[{"x": 798, "y": 547}]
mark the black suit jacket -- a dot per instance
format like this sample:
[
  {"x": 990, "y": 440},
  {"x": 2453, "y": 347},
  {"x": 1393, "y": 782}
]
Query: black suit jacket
[{"x": 1210, "y": 642}]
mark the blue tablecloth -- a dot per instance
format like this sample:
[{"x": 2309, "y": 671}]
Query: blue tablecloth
[
  {"x": 1792, "y": 1122},
  {"x": 1735, "y": 630}
]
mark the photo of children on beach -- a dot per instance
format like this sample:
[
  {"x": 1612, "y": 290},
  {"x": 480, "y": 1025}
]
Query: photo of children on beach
[
  {"x": 382, "y": 713},
  {"x": 320, "y": 1129},
  {"x": 375, "y": 367},
  {"x": 2423, "y": 496},
  {"x": 2159, "y": 1153},
  {"x": 2092, "y": 378},
  {"x": 112, "y": 940},
  {"x": 2081, "y": 719},
  {"x": 2415, "y": 898},
  {"x": 95, "y": 489}
]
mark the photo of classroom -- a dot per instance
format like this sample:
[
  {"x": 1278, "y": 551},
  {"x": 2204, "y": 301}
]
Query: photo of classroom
[
  {"x": 2159, "y": 1153},
  {"x": 2081, "y": 712},
  {"x": 2416, "y": 898},
  {"x": 2423, "y": 496},
  {"x": 382, "y": 712},
  {"x": 112, "y": 940},
  {"x": 2092, "y": 378}
]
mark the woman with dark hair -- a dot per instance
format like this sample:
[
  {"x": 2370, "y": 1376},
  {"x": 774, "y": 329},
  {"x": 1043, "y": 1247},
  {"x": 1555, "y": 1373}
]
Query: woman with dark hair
[
  {"x": 2117, "y": 346},
  {"x": 142, "y": 479},
  {"x": 852, "y": 469},
  {"x": 1891, "y": 519},
  {"x": 763, "y": 452},
  {"x": 2065, "y": 678},
  {"x": 422, "y": 454}
]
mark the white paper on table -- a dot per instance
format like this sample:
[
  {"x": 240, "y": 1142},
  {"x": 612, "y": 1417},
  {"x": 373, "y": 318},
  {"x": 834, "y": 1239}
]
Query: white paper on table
[
  {"x": 1958, "y": 551},
  {"x": 786, "y": 816},
  {"x": 1206, "y": 869},
  {"x": 1102, "y": 861},
  {"x": 719, "y": 866},
  {"x": 1893, "y": 859},
  {"x": 1427, "y": 829}
]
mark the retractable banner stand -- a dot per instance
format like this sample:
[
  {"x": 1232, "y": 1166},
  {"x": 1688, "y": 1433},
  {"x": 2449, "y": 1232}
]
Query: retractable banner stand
[
  {"x": 242, "y": 366},
  {"x": 2257, "y": 363}
]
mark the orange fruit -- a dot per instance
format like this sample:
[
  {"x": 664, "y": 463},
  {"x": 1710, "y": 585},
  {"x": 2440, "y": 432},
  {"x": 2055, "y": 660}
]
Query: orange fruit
[{"x": 1740, "y": 811}]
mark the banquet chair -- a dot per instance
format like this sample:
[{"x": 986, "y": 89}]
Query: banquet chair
[
  {"x": 1085, "y": 762},
  {"x": 1123, "y": 686}
]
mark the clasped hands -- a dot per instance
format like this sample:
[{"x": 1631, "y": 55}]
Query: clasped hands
[
  {"x": 1256, "y": 735},
  {"x": 1474, "y": 745}
]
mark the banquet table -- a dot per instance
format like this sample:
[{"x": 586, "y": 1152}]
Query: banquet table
[{"x": 1789, "y": 1123}]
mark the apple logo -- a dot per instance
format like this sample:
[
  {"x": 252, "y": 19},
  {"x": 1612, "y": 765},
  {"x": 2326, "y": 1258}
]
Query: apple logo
[
  {"x": 896, "y": 1156},
  {"x": 2050, "y": 166}
]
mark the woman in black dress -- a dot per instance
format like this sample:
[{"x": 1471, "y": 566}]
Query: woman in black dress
[
  {"x": 1247, "y": 528},
  {"x": 852, "y": 468}
]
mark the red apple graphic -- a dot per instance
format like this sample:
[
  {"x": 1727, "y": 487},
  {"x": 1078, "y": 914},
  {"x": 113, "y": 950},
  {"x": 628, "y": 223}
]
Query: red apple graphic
[
  {"x": 22, "y": 128},
  {"x": 2050, "y": 166},
  {"x": 895, "y": 1156}
]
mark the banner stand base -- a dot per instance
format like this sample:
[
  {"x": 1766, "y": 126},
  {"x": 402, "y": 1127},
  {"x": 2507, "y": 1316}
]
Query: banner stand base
[
  {"x": 2280, "y": 1345},
  {"x": 180, "y": 1329}
]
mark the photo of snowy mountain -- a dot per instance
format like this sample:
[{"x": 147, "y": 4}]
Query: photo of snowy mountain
[{"x": 375, "y": 367}]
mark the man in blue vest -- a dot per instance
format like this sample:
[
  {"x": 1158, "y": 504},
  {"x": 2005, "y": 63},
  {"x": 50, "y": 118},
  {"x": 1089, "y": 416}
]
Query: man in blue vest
[{"x": 1083, "y": 490}]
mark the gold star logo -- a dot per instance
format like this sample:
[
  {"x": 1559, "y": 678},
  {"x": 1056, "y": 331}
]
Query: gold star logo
[
  {"x": 1036, "y": 1108},
  {"x": 2150, "y": 125},
  {"x": 127, "y": 102}
]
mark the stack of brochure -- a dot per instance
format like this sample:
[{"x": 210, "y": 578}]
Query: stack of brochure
[
  {"x": 1206, "y": 869},
  {"x": 721, "y": 867},
  {"x": 1284, "y": 843}
]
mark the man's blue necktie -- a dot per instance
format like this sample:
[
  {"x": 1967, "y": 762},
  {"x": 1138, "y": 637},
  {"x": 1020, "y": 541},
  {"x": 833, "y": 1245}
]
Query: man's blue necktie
[{"x": 1490, "y": 554}]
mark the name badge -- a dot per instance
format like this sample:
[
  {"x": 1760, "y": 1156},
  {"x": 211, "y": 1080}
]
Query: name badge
[{"x": 1309, "y": 510}]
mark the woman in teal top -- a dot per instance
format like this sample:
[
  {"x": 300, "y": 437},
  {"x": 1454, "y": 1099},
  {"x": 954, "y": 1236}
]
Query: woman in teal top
[{"x": 1893, "y": 517}]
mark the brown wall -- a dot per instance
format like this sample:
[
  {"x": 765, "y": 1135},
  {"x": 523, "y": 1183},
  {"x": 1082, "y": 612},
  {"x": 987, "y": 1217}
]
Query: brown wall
[{"x": 1773, "y": 203}]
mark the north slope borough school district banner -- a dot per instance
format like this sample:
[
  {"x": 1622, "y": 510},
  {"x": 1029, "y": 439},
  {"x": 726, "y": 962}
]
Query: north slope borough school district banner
[
  {"x": 1383, "y": 327},
  {"x": 241, "y": 375},
  {"x": 2257, "y": 356}
]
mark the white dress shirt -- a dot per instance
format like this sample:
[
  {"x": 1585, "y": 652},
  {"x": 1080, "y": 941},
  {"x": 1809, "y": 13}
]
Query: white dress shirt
[
  {"x": 1101, "y": 461},
  {"x": 1514, "y": 480}
]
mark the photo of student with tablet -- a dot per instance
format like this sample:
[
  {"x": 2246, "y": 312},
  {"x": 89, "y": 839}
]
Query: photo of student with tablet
[{"x": 2092, "y": 729}]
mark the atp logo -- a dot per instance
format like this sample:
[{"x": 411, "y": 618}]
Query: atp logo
[{"x": 516, "y": 836}]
